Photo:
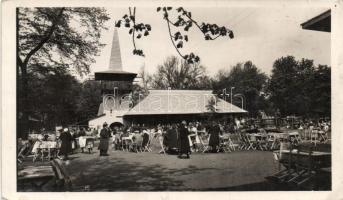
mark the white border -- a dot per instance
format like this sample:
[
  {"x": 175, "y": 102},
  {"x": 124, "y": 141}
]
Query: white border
[{"x": 8, "y": 79}]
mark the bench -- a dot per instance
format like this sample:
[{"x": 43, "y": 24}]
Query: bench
[{"x": 63, "y": 181}]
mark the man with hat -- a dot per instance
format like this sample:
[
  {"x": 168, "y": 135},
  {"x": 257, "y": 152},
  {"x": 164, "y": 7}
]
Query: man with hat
[{"x": 105, "y": 135}]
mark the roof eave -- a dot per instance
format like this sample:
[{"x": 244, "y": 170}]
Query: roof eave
[{"x": 316, "y": 23}]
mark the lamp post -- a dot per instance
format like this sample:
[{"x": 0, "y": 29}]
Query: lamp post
[
  {"x": 231, "y": 98},
  {"x": 242, "y": 99},
  {"x": 224, "y": 93}
]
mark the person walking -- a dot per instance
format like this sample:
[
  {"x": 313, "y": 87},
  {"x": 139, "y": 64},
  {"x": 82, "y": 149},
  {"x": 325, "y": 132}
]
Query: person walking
[
  {"x": 105, "y": 135},
  {"x": 183, "y": 140},
  {"x": 66, "y": 140}
]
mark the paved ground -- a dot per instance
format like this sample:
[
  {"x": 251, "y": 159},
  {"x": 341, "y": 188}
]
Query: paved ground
[
  {"x": 150, "y": 171},
  {"x": 126, "y": 171}
]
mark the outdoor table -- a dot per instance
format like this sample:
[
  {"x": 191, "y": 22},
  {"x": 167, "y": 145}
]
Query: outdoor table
[
  {"x": 34, "y": 137},
  {"x": 293, "y": 134},
  {"x": 39, "y": 146},
  {"x": 38, "y": 176},
  {"x": 259, "y": 136},
  {"x": 44, "y": 144},
  {"x": 84, "y": 141}
]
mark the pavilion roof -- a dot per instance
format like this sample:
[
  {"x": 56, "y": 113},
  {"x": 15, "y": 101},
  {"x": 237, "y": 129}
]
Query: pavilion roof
[{"x": 165, "y": 102}]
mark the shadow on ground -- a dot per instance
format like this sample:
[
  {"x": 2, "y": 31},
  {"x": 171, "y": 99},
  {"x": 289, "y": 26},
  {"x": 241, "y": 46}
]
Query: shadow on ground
[{"x": 103, "y": 176}]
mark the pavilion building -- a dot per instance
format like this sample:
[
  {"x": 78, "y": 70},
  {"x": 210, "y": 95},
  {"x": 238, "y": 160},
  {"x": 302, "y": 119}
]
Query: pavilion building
[{"x": 159, "y": 106}]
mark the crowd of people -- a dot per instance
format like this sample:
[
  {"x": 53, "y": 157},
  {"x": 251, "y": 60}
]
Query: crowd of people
[
  {"x": 174, "y": 138},
  {"x": 177, "y": 138}
]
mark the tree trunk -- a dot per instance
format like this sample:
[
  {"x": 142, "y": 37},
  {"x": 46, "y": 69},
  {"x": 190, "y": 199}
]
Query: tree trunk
[
  {"x": 23, "y": 122},
  {"x": 23, "y": 108}
]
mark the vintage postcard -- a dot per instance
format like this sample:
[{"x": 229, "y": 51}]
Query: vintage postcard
[{"x": 215, "y": 99}]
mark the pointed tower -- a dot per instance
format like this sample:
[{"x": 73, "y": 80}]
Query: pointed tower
[
  {"x": 115, "y": 70},
  {"x": 116, "y": 85},
  {"x": 115, "y": 59}
]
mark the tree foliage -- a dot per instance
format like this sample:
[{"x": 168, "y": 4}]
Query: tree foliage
[
  {"x": 247, "y": 80},
  {"x": 87, "y": 101},
  {"x": 300, "y": 88},
  {"x": 58, "y": 98},
  {"x": 52, "y": 96},
  {"x": 66, "y": 37},
  {"x": 49, "y": 39},
  {"x": 178, "y": 74}
]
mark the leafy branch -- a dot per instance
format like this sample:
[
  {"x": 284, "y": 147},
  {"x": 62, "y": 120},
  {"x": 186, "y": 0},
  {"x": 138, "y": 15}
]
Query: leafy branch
[
  {"x": 183, "y": 21},
  {"x": 129, "y": 21}
]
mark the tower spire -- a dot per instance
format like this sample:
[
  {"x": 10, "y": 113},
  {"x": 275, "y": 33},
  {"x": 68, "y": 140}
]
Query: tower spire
[{"x": 115, "y": 59}]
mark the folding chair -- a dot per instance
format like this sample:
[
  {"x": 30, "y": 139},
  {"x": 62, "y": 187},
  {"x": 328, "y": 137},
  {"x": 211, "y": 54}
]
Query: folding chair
[
  {"x": 263, "y": 142},
  {"x": 244, "y": 141},
  {"x": 271, "y": 141},
  {"x": 224, "y": 143},
  {"x": 323, "y": 136},
  {"x": 20, "y": 154},
  {"x": 252, "y": 142},
  {"x": 147, "y": 146},
  {"x": 204, "y": 141},
  {"x": 234, "y": 142}
]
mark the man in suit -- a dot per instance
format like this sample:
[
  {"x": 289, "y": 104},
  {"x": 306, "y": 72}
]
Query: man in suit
[{"x": 183, "y": 140}]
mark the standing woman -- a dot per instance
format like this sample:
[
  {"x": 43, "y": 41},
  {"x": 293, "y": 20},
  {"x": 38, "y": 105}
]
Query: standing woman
[
  {"x": 214, "y": 137},
  {"x": 105, "y": 135},
  {"x": 66, "y": 140},
  {"x": 183, "y": 140}
]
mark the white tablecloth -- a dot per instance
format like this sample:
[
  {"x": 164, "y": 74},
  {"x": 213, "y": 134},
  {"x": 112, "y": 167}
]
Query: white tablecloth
[{"x": 44, "y": 145}]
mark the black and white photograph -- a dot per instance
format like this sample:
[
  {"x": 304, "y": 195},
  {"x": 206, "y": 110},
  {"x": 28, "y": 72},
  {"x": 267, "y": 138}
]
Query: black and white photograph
[{"x": 172, "y": 98}]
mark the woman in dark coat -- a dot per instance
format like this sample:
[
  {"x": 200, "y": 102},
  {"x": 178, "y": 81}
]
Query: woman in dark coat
[
  {"x": 105, "y": 135},
  {"x": 171, "y": 139},
  {"x": 66, "y": 140},
  {"x": 183, "y": 140},
  {"x": 214, "y": 136}
]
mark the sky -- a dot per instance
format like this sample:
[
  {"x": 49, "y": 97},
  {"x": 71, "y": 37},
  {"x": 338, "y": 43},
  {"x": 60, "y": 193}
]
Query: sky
[{"x": 261, "y": 35}]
